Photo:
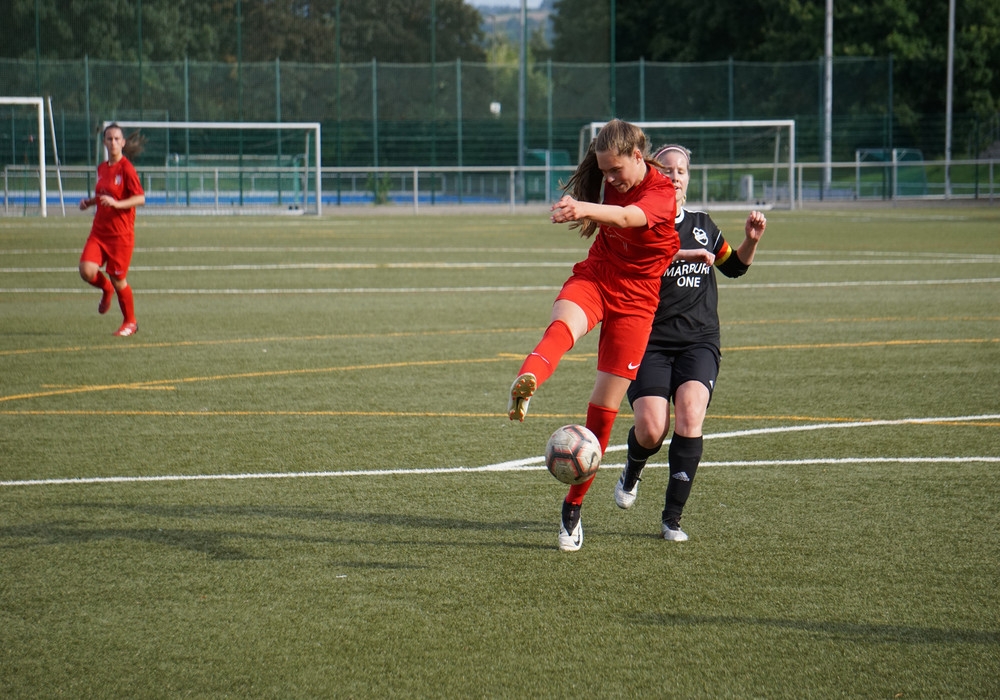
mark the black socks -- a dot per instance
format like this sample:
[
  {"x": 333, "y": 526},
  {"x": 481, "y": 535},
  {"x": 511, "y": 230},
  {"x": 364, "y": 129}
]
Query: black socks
[
  {"x": 684, "y": 455},
  {"x": 636, "y": 459}
]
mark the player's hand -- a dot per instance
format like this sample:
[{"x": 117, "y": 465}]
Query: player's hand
[
  {"x": 695, "y": 255},
  {"x": 109, "y": 201},
  {"x": 84, "y": 204},
  {"x": 756, "y": 223},
  {"x": 566, "y": 209}
]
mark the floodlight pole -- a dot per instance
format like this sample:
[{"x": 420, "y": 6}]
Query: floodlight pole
[
  {"x": 613, "y": 88},
  {"x": 828, "y": 97},
  {"x": 522, "y": 82},
  {"x": 950, "y": 88}
]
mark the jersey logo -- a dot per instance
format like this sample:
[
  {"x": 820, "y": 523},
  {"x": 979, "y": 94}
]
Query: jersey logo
[
  {"x": 118, "y": 180},
  {"x": 701, "y": 236},
  {"x": 633, "y": 366}
]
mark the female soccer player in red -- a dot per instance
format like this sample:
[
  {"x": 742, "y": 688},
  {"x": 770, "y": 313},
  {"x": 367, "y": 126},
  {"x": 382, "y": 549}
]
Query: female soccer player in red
[
  {"x": 617, "y": 285},
  {"x": 112, "y": 236}
]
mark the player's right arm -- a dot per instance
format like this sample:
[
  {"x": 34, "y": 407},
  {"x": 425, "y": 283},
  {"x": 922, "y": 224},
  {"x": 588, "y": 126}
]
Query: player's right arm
[{"x": 568, "y": 209}]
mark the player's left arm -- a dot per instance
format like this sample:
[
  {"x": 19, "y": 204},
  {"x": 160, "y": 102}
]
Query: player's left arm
[
  {"x": 133, "y": 188},
  {"x": 737, "y": 265},
  {"x": 754, "y": 229}
]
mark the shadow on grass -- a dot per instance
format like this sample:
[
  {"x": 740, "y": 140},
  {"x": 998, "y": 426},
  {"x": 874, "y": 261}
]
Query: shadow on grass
[
  {"x": 873, "y": 633},
  {"x": 218, "y": 543}
]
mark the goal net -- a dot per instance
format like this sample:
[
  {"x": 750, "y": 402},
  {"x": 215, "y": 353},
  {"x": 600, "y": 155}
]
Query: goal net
[
  {"x": 228, "y": 167},
  {"x": 733, "y": 163},
  {"x": 22, "y": 142}
]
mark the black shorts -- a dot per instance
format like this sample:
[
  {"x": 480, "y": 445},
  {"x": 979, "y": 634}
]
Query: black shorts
[{"x": 661, "y": 372}]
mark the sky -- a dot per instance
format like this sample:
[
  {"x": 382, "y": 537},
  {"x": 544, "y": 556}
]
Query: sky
[{"x": 532, "y": 4}]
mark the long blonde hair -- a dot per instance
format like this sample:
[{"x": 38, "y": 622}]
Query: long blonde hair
[{"x": 618, "y": 137}]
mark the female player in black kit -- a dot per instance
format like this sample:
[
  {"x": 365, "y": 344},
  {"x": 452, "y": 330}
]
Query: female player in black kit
[{"x": 682, "y": 356}]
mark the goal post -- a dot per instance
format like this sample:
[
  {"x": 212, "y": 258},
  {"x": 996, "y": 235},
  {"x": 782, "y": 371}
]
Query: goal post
[
  {"x": 35, "y": 136},
  {"x": 734, "y": 162},
  {"x": 229, "y": 167}
]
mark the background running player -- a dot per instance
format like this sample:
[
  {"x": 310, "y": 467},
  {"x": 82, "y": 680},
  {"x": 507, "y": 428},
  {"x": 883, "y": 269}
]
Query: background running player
[
  {"x": 681, "y": 362},
  {"x": 112, "y": 235}
]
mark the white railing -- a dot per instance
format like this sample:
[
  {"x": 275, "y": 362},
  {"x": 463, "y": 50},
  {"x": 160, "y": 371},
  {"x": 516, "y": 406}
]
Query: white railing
[{"x": 207, "y": 189}]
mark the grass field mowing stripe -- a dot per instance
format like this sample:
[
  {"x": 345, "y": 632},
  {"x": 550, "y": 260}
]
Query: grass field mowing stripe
[{"x": 534, "y": 463}]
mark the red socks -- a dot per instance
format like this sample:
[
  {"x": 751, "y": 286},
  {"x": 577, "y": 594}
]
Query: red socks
[
  {"x": 543, "y": 360},
  {"x": 126, "y": 304},
  {"x": 600, "y": 420},
  {"x": 101, "y": 282}
]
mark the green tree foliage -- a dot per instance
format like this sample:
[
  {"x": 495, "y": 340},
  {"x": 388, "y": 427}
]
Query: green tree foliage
[
  {"x": 303, "y": 31},
  {"x": 110, "y": 29},
  {"x": 914, "y": 32}
]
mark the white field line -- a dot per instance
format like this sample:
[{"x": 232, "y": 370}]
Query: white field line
[
  {"x": 842, "y": 257},
  {"x": 537, "y": 463},
  {"x": 318, "y": 290},
  {"x": 482, "y": 265},
  {"x": 465, "y": 290}
]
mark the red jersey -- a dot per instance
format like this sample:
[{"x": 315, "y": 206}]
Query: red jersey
[
  {"x": 120, "y": 181},
  {"x": 643, "y": 251}
]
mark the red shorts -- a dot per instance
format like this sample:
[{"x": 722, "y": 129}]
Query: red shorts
[
  {"x": 624, "y": 306},
  {"x": 114, "y": 256}
]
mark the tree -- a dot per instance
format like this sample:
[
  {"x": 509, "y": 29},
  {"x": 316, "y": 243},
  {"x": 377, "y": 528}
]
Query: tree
[
  {"x": 107, "y": 29},
  {"x": 914, "y": 32},
  {"x": 291, "y": 30}
]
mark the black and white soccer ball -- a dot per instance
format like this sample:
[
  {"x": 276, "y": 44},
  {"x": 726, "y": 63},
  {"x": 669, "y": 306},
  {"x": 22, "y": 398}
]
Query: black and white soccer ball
[{"x": 573, "y": 454}]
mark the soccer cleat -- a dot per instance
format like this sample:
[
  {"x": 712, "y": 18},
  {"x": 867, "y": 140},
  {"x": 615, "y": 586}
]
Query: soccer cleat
[
  {"x": 624, "y": 492},
  {"x": 106, "y": 296},
  {"x": 570, "y": 529},
  {"x": 672, "y": 531},
  {"x": 127, "y": 329},
  {"x": 521, "y": 392}
]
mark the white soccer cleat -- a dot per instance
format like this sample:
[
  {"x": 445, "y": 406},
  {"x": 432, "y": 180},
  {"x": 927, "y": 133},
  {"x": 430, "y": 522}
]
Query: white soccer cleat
[
  {"x": 571, "y": 541},
  {"x": 672, "y": 532},
  {"x": 521, "y": 392},
  {"x": 570, "y": 529},
  {"x": 624, "y": 498}
]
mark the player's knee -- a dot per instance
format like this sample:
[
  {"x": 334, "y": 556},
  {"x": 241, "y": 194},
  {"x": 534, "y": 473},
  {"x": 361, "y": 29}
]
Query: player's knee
[{"x": 649, "y": 431}]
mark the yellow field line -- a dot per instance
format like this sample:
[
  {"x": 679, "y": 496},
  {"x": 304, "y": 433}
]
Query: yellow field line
[
  {"x": 444, "y": 414},
  {"x": 864, "y": 344},
  {"x": 428, "y": 334},
  {"x": 242, "y": 375},
  {"x": 266, "y": 339}
]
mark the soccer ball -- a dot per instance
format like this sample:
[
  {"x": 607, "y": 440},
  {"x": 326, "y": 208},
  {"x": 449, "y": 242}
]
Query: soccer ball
[{"x": 573, "y": 454}]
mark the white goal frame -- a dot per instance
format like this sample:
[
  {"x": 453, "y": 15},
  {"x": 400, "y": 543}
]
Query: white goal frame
[
  {"x": 311, "y": 127},
  {"x": 40, "y": 105},
  {"x": 589, "y": 131}
]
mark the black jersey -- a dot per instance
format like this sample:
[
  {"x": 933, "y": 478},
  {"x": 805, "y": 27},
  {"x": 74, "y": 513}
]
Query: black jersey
[{"x": 688, "y": 312}]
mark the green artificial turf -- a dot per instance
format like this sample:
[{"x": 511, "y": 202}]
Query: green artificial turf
[{"x": 298, "y": 478}]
